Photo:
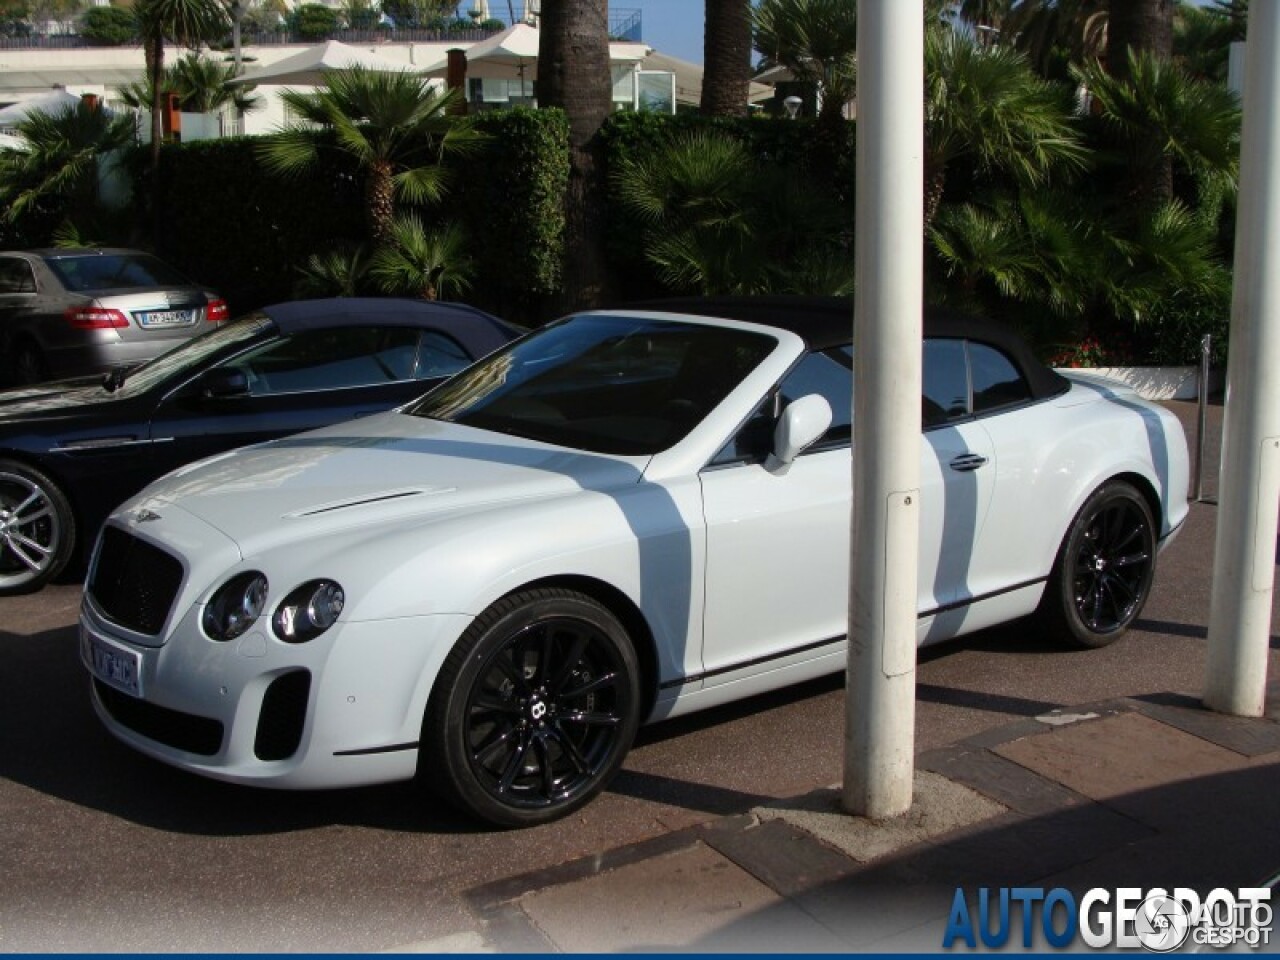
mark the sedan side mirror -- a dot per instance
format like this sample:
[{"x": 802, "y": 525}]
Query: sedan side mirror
[
  {"x": 801, "y": 425},
  {"x": 224, "y": 382}
]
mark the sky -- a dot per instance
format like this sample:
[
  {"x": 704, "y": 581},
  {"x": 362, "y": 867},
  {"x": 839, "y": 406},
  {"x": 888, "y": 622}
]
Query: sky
[{"x": 673, "y": 27}]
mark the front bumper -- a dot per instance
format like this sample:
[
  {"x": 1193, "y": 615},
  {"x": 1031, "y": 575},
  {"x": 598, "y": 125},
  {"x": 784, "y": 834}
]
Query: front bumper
[{"x": 342, "y": 710}]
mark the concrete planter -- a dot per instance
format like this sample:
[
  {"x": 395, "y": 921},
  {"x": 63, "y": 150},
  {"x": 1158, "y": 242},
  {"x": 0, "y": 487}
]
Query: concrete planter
[{"x": 1155, "y": 383}]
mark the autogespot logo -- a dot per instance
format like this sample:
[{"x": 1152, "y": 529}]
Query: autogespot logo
[{"x": 1126, "y": 918}]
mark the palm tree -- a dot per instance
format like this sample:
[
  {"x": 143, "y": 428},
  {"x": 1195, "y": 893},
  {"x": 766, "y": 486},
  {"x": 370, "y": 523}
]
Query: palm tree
[
  {"x": 817, "y": 40},
  {"x": 395, "y": 125},
  {"x": 574, "y": 75},
  {"x": 420, "y": 264},
  {"x": 201, "y": 86},
  {"x": 186, "y": 22},
  {"x": 56, "y": 168},
  {"x": 1158, "y": 120},
  {"x": 984, "y": 103},
  {"x": 1053, "y": 33},
  {"x": 726, "y": 76},
  {"x": 712, "y": 220},
  {"x": 693, "y": 198},
  {"x": 339, "y": 272}
]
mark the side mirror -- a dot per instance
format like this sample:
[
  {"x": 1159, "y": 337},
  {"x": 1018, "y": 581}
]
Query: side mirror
[
  {"x": 801, "y": 425},
  {"x": 223, "y": 382}
]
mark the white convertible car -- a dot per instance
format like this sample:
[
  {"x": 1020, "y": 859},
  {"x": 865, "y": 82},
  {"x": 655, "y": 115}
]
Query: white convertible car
[{"x": 625, "y": 516}]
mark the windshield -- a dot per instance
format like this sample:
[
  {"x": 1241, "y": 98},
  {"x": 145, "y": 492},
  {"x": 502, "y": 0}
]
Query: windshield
[
  {"x": 192, "y": 353},
  {"x": 114, "y": 271},
  {"x": 607, "y": 384}
]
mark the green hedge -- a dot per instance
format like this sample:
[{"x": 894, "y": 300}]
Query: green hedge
[
  {"x": 510, "y": 199},
  {"x": 232, "y": 225},
  {"x": 226, "y": 222}
]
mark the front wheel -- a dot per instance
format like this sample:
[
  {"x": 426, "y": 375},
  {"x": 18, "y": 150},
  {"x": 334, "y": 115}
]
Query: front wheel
[
  {"x": 1104, "y": 569},
  {"x": 534, "y": 709},
  {"x": 37, "y": 530}
]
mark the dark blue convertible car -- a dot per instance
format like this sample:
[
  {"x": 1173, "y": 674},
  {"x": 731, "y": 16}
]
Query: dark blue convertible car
[{"x": 71, "y": 451}]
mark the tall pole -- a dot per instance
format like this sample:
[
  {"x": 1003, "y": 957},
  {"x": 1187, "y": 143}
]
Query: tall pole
[
  {"x": 880, "y": 690},
  {"x": 1249, "y": 498}
]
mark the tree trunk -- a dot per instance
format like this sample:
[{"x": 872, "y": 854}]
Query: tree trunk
[
  {"x": 726, "y": 77},
  {"x": 153, "y": 54},
  {"x": 573, "y": 74},
  {"x": 1144, "y": 26},
  {"x": 381, "y": 200}
]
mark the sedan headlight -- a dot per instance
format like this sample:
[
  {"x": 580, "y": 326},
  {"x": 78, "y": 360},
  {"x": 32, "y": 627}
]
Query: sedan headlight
[
  {"x": 235, "y": 606},
  {"x": 308, "y": 611}
]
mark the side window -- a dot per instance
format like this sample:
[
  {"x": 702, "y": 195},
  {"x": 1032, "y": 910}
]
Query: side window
[
  {"x": 331, "y": 359},
  {"x": 946, "y": 382},
  {"x": 996, "y": 381},
  {"x": 16, "y": 276},
  {"x": 439, "y": 356},
  {"x": 830, "y": 374}
]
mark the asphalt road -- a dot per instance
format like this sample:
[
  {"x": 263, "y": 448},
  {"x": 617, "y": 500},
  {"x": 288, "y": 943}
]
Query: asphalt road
[{"x": 102, "y": 849}]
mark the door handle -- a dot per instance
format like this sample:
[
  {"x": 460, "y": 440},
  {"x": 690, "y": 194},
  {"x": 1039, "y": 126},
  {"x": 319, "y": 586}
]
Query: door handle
[{"x": 967, "y": 462}]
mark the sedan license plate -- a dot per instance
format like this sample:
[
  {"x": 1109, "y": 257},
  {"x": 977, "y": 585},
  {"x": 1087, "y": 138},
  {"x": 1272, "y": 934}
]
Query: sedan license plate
[
  {"x": 112, "y": 664},
  {"x": 166, "y": 318}
]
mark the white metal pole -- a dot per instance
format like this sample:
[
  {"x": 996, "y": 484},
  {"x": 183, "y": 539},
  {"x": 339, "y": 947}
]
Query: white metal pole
[
  {"x": 1249, "y": 499},
  {"x": 880, "y": 691}
]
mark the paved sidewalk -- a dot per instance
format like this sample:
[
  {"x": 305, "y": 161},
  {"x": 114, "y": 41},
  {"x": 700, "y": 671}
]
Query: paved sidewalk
[{"x": 1133, "y": 792}]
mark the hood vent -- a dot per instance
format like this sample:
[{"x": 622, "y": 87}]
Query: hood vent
[{"x": 365, "y": 501}]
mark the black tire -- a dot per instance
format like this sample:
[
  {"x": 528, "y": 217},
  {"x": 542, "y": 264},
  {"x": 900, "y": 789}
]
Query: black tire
[
  {"x": 29, "y": 365},
  {"x": 534, "y": 709},
  {"x": 37, "y": 529},
  {"x": 1104, "y": 568}
]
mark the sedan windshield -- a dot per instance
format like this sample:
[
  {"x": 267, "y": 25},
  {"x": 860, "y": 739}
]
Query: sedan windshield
[
  {"x": 607, "y": 384},
  {"x": 192, "y": 354}
]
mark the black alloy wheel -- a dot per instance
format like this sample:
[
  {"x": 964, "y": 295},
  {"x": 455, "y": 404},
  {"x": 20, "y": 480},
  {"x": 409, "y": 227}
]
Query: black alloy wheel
[
  {"x": 534, "y": 710},
  {"x": 1104, "y": 569},
  {"x": 37, "y": 529}
]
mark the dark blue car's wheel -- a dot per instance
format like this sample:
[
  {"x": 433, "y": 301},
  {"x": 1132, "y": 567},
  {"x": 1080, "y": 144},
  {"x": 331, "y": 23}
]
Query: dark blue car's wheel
[
  {"x": 1104, "y": 568},
  {"x": 37, "y": 531},
  {"x": 534, "y": 709}
]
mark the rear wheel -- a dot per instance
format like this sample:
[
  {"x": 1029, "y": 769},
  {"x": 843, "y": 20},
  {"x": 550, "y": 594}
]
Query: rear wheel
[
  {"x": 37, "y": 530},
  {"x": 534, "y": 709},
  {"x": 1104, "y": 569},
  {"x": 29, "y": 364}
]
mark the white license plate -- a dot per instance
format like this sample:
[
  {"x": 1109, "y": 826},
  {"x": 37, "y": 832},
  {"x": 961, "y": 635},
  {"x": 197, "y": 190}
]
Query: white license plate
[
  {"x": 166, "y": 318},
  {"x": 111, "y": 663}
]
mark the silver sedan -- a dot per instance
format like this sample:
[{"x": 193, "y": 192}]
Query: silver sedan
[{"x": 66, "y": 313}]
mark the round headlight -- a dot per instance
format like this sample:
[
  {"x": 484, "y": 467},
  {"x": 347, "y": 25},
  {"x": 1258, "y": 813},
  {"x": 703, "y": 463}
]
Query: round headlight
[
  {"x": 308, "y": 611},
  {"x": 235, "y": 606}
]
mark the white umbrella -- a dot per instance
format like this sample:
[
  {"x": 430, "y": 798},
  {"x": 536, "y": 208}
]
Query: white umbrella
[
  {"x": 53, "y": 102},
  {"x": 509, "y": 55},
  {"x": 513, "y": 55},
  {"x": 308, "y": 68}
]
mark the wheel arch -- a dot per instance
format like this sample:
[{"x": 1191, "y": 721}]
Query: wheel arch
[{"x": 1149, "y": 494}]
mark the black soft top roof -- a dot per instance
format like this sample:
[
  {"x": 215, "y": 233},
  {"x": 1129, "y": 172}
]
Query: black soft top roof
[
  {"x": 456, "y": 319},
  {"x": 826, "y": 322}
]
